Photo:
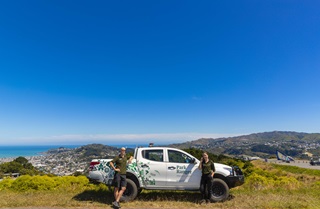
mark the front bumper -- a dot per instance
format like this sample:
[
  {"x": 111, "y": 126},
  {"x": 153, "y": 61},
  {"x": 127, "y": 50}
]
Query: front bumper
[
  {"x": 234, "y": 181},
  {"x": 237, "y": 177}
]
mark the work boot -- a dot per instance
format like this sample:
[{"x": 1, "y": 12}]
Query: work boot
[
  {"x": 116, "y": 204},
  {"x": 202, "y": 201}
]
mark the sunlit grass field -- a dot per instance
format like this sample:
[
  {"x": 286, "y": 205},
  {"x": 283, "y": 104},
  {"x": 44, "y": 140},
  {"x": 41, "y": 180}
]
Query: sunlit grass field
[{"x": 267, "y": 186}]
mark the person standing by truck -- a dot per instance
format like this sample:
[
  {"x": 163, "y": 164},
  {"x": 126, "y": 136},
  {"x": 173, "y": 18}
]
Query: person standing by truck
[
  {"x": 208, "y": 169},
  {"x": 119, "y": 165}
]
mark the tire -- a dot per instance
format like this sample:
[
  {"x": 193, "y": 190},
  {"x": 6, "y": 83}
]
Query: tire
[
  {"x": 139, "y": 191},
  {"x": 220, "y": 190},
  {"x": 130, "y": 193}
]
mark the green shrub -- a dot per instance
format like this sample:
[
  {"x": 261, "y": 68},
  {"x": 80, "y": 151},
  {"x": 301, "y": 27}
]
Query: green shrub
[
  {"x": 270, "y": 174},
  {"x": 6, "y": 183},
  {"x": 70, "y": 182},
  {"x": 23, "y": 183},
  {"x": 287, "y": 183},
  {"x": 26, "y": 183},
  {"x": 248, "y": 171},
  {"x": 235, "y": 162},
  {"x": 316, "y": 184},
  {"x": 19, "y": 165},
  {"x": 44, "y": 183},
  {"x": 258, "y": 182},
  {"x": 261, "y": 179}
]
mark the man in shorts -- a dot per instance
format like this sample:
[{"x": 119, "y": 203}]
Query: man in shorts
[{"x": 119, "y": 164}]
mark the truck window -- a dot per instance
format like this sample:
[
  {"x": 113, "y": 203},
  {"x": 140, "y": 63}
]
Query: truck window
[
  {"x": 154, "y": 155},
  {"x": 178, "y": 157}
]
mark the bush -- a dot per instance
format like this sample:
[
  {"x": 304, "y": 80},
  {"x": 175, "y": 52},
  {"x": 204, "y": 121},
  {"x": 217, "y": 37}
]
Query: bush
[
  {"x": 44, "y": 183},
  {"x": 19, "y": 165},
  {"x": 316, "y": 185},
  {"x": 71, "y": 182},
  {"x": 6, "y": 183},
  {"x": 26, "y": 183},
  {"x": 258, "y": 182},
  {"x": 287, "y": 183},
  {"x": 260, "y": 179}
]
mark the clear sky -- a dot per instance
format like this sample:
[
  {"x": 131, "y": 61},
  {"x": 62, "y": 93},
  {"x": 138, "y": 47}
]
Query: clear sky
[{"x": 79, "y": 72}]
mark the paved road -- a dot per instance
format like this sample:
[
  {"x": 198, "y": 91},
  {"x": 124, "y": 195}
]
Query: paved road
[{"x": 299, "y": 163}]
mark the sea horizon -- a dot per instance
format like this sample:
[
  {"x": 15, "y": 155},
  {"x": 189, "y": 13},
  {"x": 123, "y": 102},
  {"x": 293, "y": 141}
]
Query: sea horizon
[{"x": 12, "y": 151}]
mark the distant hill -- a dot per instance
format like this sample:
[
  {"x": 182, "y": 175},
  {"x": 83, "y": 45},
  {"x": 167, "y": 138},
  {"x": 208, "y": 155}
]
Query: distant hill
[
  {"x": 259, "y": 144},
  {"x": 87, "y": 152},
  {"x": 65, "y": 161}
]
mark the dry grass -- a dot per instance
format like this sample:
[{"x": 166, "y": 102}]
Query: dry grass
[{"x": 242, "y": 199}]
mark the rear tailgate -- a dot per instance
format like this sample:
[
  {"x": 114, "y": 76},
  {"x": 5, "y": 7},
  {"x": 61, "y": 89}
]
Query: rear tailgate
[{"x": 99, "y": 170}]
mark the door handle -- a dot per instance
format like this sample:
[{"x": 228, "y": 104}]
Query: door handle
[
  {"x": 144, "y": 166},
  {"x": 171, "y": 168}
]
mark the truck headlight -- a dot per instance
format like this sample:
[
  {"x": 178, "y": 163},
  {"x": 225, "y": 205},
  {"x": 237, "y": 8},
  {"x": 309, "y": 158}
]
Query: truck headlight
[{"x": 229, "y": 169}]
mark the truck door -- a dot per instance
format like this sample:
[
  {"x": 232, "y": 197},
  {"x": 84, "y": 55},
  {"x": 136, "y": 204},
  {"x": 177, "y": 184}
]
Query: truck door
[
  {"x": 183, "y": 172},
  {"x": 152, "y": 168}
]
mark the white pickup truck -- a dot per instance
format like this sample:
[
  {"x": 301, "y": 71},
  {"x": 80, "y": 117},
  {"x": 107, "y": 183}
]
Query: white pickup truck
[{"x": 164, "y": 168}]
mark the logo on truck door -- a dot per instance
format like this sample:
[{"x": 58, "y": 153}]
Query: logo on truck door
[{"x": 183, "y": 170}]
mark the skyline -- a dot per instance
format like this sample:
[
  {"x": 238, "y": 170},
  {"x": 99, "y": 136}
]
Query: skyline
[{"x": 162, "y": 72}]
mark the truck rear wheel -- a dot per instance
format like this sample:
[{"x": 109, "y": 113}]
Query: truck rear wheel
[
  {"x": 220, "y": 190},
  {"x": 130, "y": 193}
]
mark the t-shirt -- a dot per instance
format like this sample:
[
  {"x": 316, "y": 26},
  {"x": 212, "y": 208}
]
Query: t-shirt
[
  {"x": 208, "y": 167},
  {"x": 121, "y": 163}
]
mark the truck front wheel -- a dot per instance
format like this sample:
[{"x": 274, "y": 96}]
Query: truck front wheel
[
  {"x": 220, "y": 190},
  {"x": 130, "y": 193}
]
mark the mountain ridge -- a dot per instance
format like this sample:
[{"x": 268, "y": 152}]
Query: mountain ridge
[{"x": 264, "y": 144}]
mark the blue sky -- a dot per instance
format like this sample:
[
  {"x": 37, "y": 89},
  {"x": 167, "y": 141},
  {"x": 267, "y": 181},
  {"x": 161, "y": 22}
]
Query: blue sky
[{"x": 79, "y": 72}]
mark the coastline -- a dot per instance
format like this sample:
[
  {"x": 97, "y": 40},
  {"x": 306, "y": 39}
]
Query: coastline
[
  {"x": 14, "y": 151},
  {"x": 57, "y": 160},
  {"x": 33, "y": 153},
  {"x": 29, "y": 158}
]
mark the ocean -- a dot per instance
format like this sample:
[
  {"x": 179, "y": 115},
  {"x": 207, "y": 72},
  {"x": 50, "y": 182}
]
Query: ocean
[
  {"x": 36, "y": 150},
  {"x": 27, "y": 151}
]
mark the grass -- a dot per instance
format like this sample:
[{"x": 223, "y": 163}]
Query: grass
[
  {"x": 297, "y": 170},
  {"x": 245, "y": 197},
  {"x": 306, "y": 198}
]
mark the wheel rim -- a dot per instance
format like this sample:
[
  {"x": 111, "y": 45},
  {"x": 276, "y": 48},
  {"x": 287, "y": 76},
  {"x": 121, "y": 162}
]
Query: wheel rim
[{"x": 218, "y": 190}]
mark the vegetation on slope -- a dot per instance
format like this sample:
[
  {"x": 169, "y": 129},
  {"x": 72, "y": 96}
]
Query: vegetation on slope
[
  {"x": 19, "y": 165},
  {"x": 263, "y": 145},
  {"x": 267, "y": 186}
]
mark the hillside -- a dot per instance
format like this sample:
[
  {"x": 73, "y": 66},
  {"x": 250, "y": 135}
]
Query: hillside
[
  {"x": 260, "y": 144},
  {"x": 65, "y": 161}
]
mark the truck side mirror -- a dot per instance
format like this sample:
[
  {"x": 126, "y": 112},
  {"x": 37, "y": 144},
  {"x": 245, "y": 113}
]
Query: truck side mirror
[{"x": 193, "y": 161}]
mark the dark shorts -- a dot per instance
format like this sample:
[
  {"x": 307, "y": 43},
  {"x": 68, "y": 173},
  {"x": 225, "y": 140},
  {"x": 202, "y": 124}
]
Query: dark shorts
[{"x": 120, "y": 180}]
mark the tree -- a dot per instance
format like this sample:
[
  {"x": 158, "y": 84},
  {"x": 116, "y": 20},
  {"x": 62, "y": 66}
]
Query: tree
[
  {"x": 11, "y": 167},
  {"x": 23, "y": 161},
  {"x": 18, "y": 165}
]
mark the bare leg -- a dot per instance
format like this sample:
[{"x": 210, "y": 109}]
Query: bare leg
[
  {"x": 116, "y": 193},
  {"x": 120, "y": 193}
]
